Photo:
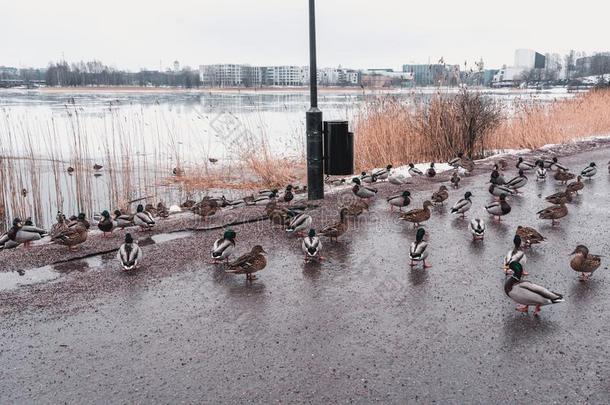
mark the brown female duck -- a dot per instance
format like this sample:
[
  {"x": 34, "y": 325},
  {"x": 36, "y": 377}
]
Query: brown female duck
[
  {"x": 440, "y": 196},
  {"x": 529, "y": 236},
  {"x": 583, "y": 262},
  {"x": 338, "y": 228},
  {"x": 249, "y": 263},
  {"x": 562, "y": 197},
  {"x": 417, "y": 216},
  {"x": 553, "y": 213}
]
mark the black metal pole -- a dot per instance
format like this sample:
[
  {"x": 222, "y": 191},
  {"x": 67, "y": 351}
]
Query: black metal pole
[{"x": 315, "y": 172}]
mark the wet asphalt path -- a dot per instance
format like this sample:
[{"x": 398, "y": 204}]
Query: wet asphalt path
[{"x": 362, "y": 327}]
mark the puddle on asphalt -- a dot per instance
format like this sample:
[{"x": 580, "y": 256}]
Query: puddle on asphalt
[{"x": 13, "y": 280}]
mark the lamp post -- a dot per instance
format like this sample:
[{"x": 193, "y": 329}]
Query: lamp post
[{"x": 315, "y": 172}]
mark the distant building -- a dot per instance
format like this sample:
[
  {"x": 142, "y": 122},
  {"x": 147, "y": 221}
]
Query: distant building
[
  {"x": 596, "y": 64},
  {"x": 384, "y": 78},
  {"x": 433, "y": 74},
  {"x": 529, "y": 59},
  {"x": 526, "y": 61},
  {"x": 285, "y": 75},
  {"x": 176, "y": 66},
  {"x": 230, "y": 75},
  {"x": 338, "y": 77}
]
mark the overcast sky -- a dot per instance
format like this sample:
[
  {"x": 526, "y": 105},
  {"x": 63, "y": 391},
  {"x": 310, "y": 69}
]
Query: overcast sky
[{"x": 354, "y": 33}]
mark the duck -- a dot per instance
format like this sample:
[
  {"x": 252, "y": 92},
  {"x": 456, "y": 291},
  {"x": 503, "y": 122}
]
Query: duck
[
  {"x": 463, "y": 205},
  {"x": 503, "y": 164},
  {"x": 418, "y": 251},
  {"x": 589, "y": 171},
  {"x": 337, "y": 229},
  {"x": 143, "y": 219},
  {"x": 544, "y": 163},
  {"x": 97, "y": 167},
  {"x": 206, "y": 208},
  {"x": 232, "y": 204},
  {"x": 398, "y": 179},
  {"x": 441, "y": 195},
  {"x": 575, "y": 186},
  {"x": 299, "y": 224},
  {"x": 188, "y": 203},
  {"x": 70, "y": 170},
  {"x": 455, "y": 179},
  {"x": 249, "y": 263},
  {"x": 130, "y": 254},
  {"x": 524, "y": 165},
  {"x": 311, "y": 246},
  {"x": 178, "y": 172},
  {"x": 497, "y": 191},
  {"x": 223, "y": 247},
  {"x": 28, "y": 226},
  {"x": 456, "y": 161},
  {"x": 477, "y": 228},
  {"x": 60, "y": 225},
  {"x": 368, "y": 178},
  {"x": 334, "y": 182},
  {"x": 162, "y": 210},
  {"x": 529, "y": 235},
  {"x": 73, "y": 235},
  {"x": 499, "y": 208},
  {"x": 540, "y": 172},
  {"x": 517, "y": 182},
  {"x": 123, "y": 220},
  {"x": 553, "y": 213},
  {"x": 399, "y": 200},
  {"x": 356, "y": 208},
  {"x": 106, "y": 224},
  {"x": 288, "y": 195},
  {"x": 557, "y": 166},
  {"x": 383, "y": 174},
  {"x": 467, "y": 166},
  {"x": 419, "y": 215},
  {"x": 362, "y": 191},
  {"x": 268, "y": 192},
  {"x": 81, "y": 219},
  {"x": 414, "y": 171},
  {"x": 563, "y": 176},
  {"x": 496, "y": 178},
  {"x": 527, "y": 293},
  {"x": 431, "y": 172},
  {"x": 562, "y": 197},
  {"x": 584, "y": 262},
  {"x": 21, "y": 234},
  {"x": 263, "y": 199},
  {"x": 516, "y": 254}
]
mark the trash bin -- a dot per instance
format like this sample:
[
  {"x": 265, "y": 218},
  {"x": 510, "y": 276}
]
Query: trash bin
[{"x": 338, "y": 148}]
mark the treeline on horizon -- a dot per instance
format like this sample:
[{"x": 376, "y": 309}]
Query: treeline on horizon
[{"x": 95, "y": 73}]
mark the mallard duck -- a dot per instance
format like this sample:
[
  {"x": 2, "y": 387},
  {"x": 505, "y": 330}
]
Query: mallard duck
[
  {"x": 311, "y": 246},
  {"x": 241, "y": 202},
  {"x": 28, "y": 226},
  {"x": 288, "y": 196},
  {"x": 455, "y": 180},
  {"x": 368, "y": 178},
  {"x": 399, "y": 200},
  {"x": 302, "y": 189},
  {"x": 143, "y": 219},
  {"x": 162, "y": 210},
  {"x": 496, "y": 178},
  {"x": 383, "y": 174},
  {"x": 123, "y": 220},
  {"x": 153, "y": 211},
  {"x": 467, "y": 166},
  {"x": 562, "y": 197},
  {"x": 224, "y": 247},
  {"x": 477, "y": 228},
  {"x": 188, "y": 203},
  {"x": 417, "y": 216},
  {"x": 263, "y": 199},
  {"x": 268, "y": 192},
  {"x": 418, "y": 252},
  {"x": 357, "y": 207},
  {"x": 497, "y": 191},
  {"x": 527, "y": 293},
  {"x": 540, "y": 171},
  {"x": 557, "y": 166},
  {"x": 589, "y": 171},
  {"x": 81, "y": 219},
  {"x": 524, "y": 165},
  {"x": 21, "y": 234},
  {"x": 575, "y": 186},
  {"x": 503, "y": 164},
  {"x": 70, "y": 170},
  {"x": 456, "y": 161},
  {"x": 462, "y": 205},
  {"x": 73, "y": 235},
  {"x": 499, "y": 208},
  {"x": 338, "y": 228},
  {"x": 517, "y": 182},
  {"x": 129, "y": 254},
  {"x": 362, "y": 191},
  {"x": 97, "y": 167},
  {"x": 178, "y": 172},
  {"x": 529, "y": 236},
  {"x": 206, "y": 208},
  {"x": 249, "y": 263},
  {"x": 544, "y": 163},
  {"x": 553, "y": 213},
  {"x": 398, "y": 179},
  {"x": 583, "y": 262},
  {"x": 299, "y": 224},
  {"x": 440, "y": 196},
  {"x": 431, "y": 172},
  {"x": 515, "y": 255},
  {"x": 106, "y": 224},
  {"x": 60, "y": 226},
  {"x": 334, "y": 182},
  {"x": 414, "y": 171},
  {"x": 563, "y": 176}
]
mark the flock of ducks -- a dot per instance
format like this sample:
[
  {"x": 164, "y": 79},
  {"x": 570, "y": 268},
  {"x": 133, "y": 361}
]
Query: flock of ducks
[{"x": 295, "y": 220}]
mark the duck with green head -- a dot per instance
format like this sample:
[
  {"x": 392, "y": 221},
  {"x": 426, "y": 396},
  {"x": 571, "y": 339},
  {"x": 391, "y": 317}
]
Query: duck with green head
[
  {"x": 527, "y": 293},
  {"x": 106, "y": 224},
  {"x": 224, "y": 247},
  {"x": 418, "y": 251},
  {"x": 129, "y": 254},
  {"x": 312, "y": 246},
  {"x": 399, "y": 200}
]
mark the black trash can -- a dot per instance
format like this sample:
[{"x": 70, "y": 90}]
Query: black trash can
[{"x": 338, "y": 148}]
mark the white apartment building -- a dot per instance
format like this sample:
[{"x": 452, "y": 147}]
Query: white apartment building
[
  {"x": 230, "y": 75},
  {"x": 285, "y": 75}
]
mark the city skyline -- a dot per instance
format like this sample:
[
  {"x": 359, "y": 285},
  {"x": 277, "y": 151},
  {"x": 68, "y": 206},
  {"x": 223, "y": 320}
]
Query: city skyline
[{"x": 350, "y": 33}]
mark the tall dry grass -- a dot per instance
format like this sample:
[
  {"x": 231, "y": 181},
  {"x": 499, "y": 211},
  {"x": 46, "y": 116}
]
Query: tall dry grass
[{"x": 390, "y": 130}]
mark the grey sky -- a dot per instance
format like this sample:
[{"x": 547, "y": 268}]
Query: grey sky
[{"x": 355, "y": 33}]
